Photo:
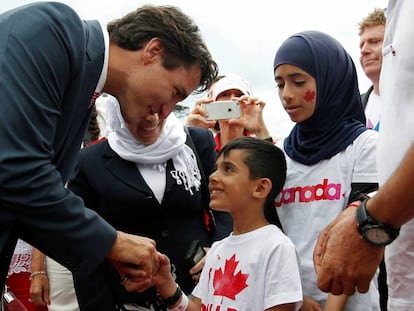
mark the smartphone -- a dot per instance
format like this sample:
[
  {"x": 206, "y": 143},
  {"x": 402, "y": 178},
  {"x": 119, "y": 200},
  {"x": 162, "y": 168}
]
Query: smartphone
[
  {"x": 194, "y": 253},
  {"x": 221, "y": 110}
]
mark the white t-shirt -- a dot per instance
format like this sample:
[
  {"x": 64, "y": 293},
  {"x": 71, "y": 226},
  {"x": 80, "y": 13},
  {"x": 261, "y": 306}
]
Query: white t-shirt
[
  {"x": 373, "y": 111},
  {"x": 252, "y": 271},
  {"x": 314, "y": 195},
  {"x": 396, "y": 136}
]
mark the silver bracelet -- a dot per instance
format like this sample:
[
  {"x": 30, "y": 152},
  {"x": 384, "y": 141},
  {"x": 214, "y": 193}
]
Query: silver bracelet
[{"x": 37, "y": 273}]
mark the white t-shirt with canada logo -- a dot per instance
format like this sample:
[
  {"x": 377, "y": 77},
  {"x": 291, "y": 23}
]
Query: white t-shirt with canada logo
[
  {"x": 314, "y": 195},
  {"x": 251, "y": 271}
]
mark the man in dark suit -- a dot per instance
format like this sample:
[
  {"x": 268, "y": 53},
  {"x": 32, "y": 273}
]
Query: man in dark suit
[{"x": 51, "y": 63}]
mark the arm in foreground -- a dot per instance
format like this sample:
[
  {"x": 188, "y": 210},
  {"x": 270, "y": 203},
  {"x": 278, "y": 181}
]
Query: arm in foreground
[
  {"x": 343, "y": 260},
  {"x": 39, "y": 284},
  {"x": 167, "y": 287}
]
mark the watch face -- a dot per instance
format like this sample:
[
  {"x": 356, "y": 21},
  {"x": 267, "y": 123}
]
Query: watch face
[{"x": 377, "y": 236}]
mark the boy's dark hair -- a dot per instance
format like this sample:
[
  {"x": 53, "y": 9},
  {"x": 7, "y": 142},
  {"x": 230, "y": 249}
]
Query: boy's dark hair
[
  {"x": 179, "y": 35},
  {"x": 264, "y": 160}
]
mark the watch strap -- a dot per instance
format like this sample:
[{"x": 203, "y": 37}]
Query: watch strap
[
  {"x": 364, "y": 220},
  {"x": 170, "y": 301}
]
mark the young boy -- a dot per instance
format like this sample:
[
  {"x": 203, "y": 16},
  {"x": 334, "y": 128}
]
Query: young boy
[{"x": 256, "y": 267}]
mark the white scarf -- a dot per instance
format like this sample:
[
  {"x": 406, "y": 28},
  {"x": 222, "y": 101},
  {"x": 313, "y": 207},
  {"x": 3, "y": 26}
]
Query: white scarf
[{"x": 169, "y": 145}]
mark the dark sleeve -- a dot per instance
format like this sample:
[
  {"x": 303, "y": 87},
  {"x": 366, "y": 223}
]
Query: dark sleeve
[
  {"x": 205, "y": 146},
  {"x": 359, "y": 189},
  {"x": 38, "y": 59}
]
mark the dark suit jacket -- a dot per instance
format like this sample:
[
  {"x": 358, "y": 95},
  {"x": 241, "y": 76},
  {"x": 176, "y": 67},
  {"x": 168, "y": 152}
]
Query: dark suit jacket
[
  {"x": 50, "y": 63},
  {"x": 117, "y": 191}
]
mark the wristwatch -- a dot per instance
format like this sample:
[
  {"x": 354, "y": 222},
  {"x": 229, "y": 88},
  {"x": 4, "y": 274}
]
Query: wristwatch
[{"x": 373, "y": 231}]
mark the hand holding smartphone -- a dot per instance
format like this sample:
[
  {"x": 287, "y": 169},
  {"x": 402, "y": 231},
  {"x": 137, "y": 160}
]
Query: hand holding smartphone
[{"x": 221, "y": 110}]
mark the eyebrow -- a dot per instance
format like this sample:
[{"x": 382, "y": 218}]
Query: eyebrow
[{"x": 291, "y": 75}]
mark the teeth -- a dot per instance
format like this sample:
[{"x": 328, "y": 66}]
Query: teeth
[{"x": 151, "y": 128}]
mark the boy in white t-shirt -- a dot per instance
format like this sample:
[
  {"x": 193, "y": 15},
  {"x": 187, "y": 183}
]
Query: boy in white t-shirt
[{"x": 256, "y": 267}]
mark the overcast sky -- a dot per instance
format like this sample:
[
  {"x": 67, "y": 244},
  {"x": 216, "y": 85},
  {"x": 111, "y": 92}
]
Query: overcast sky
[{"x": 243, "y": 35}]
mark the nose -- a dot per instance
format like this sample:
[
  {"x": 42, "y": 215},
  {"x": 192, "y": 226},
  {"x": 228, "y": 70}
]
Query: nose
[
  {"x": 153, "y": 117},
  {"x": 213, "y": 176},
  {"x": 286, "y": 94},
  {"x": 364, "y": 48},
  {"x": 166, "y": 109}
]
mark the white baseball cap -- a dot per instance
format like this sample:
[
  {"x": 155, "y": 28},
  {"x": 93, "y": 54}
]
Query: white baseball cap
[{"x": 229, "y": 82}]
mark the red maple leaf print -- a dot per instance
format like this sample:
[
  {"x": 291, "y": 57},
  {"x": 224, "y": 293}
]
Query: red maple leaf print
[
  {"x": 309, "y": 96},
  {"x": 228, "y": 283}
]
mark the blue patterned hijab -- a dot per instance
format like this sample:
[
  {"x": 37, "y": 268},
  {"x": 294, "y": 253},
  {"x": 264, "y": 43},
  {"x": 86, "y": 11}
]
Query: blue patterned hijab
[{"x": 339, "y": 116}]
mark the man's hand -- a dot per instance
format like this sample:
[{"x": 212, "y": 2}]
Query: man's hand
[
  {"x": 344, "y": 262},
  {"x": 136, "y": 260}
]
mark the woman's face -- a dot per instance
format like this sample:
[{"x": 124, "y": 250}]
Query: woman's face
[{"x": 297, "y": 92}]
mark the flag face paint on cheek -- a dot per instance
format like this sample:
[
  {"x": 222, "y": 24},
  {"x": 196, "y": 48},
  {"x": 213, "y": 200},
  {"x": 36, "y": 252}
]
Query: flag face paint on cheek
[{"x": 309, "y": 96}]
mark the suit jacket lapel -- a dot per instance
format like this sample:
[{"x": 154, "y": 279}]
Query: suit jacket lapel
[{"x": 125, "y": 171}]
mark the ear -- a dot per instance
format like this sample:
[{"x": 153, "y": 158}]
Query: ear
[
  {"x": 263, "y": 188},
  {"x": 152, "y": 50}
]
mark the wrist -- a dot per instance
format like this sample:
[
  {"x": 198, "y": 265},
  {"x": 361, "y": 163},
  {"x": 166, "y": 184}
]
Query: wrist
[
  {"x": 37, "y": 273},
  {"x": 375, "y": 207},
  {"x": 166, "y": 287},
  {"x": 181, "y": 305},
  {"x": 172, "y": 298},
  {"x": 263, "y": 134},
  {"x": 371, "y": 229}
]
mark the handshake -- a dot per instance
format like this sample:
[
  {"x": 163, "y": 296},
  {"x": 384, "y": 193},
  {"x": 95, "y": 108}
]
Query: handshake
[
  {"x": 141, "y": 266},
  {"x": 136, "y": 260}
]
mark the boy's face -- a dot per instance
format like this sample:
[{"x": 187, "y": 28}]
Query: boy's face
[{"x": 230, "y": 185}]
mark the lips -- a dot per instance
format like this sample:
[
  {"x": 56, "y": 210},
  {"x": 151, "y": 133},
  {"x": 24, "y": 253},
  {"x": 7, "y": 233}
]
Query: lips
[
  {"x": 215, "y": 192},
  {"x": 291, "y": 109},
  {"x": 151, "y": 126},
  {"x": 148, "y": 129}
]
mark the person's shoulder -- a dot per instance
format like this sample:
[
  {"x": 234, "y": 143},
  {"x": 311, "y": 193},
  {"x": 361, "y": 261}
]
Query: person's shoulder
[
  {"x": 218, "y": 244},
  {"x": 367, "y": 136},
  {"x": 368, "y": 92},
  {"x": 40, "y": 12},
  {"x": 201, "y": 137},
  {"x": 364, "y": 146},
  {"x": 95, "y": 148},
  {"x": 49, "y": 8},
  {"x": 42, "y": 17},
  {"x": 279, "y": 239},
  {"x": 199, "y": 132}
]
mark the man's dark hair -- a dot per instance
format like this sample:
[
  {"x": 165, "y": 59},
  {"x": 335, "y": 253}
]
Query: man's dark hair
[
  {"x": 264, "y": 160},
  {"x": 178, "y": 33}
]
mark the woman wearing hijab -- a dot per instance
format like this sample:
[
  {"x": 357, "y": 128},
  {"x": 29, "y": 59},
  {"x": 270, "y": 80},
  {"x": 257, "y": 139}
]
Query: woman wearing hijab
[{"x": 330, "y": 153}]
